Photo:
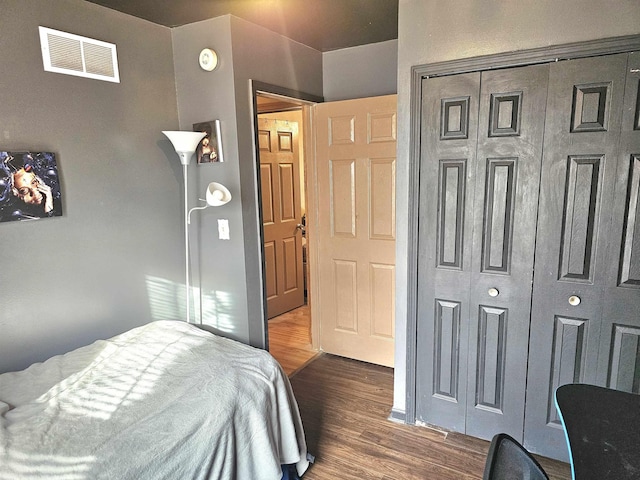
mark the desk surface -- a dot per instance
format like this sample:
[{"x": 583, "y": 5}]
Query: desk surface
[{"x": 603, "y": 431}]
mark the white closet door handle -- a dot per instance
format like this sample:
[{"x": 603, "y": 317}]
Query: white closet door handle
[
  {"x": 493, "y": 292},
  {"x": 574, "y": 300}
]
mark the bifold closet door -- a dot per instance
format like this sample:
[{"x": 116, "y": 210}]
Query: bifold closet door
[
  {"x": 509, "y": 157},
  {"x": 572, "y": 261},
  {"x": 480, "y": 172},
  {"x": 619, "y": 352},
  {"x": 496, "y": 336},
  {"x": 447, "y": 184}
]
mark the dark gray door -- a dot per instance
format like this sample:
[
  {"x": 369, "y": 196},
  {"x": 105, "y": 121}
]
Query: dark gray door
[
  {"x": 619, "y": 352},
  {"x": 574, "y": 229},
  {"x": 447, "y": 179},
  {"x": 509, "y": 156},
  {"x": 482, "y": 141},
  {"x": 535, "y": 166}
]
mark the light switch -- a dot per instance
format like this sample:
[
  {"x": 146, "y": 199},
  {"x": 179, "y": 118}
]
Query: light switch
[{"x": 223, "y": 229}]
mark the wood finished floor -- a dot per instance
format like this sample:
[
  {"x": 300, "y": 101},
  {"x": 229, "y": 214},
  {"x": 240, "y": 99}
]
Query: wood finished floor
[
  {"x": 290, "y": 339},
  {"x": 345, "y": 406}
]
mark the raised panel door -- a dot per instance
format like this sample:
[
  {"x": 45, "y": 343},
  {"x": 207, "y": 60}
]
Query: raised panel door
[
  {"x": 574, "y": 223},
  {"x": 447, "y": 182},
  {"x": 529, "y": 244},
  {"x": 355, "y": 172},
  {"x": 619, "y": 351},
  {"x": 281, "y": 214},
  {"x": 482, "y": 146},
  {"x": 509, "y": 157}
]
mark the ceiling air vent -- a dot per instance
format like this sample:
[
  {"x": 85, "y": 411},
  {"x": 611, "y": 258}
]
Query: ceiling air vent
[{"x": 81, "y": 56}]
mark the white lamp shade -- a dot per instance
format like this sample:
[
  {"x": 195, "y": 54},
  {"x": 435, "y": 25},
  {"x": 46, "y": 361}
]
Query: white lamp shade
[
  {"x": 217, "y": 194},
  {"x": 185, "y": 143}
]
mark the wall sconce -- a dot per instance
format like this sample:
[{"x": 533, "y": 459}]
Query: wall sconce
[{"x": 185, "y": 144}]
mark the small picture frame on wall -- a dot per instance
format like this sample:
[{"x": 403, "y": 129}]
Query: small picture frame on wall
[
  {"x": 210, "y": 148},
  {"x": 29, "y": 186}
]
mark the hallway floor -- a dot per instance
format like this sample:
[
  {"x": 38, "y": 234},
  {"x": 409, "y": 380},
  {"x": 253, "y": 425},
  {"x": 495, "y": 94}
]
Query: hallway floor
[{"x": 290, "y": 339}]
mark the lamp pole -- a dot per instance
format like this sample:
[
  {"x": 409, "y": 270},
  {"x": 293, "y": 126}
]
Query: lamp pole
[
  {"x": 186, "y": 244},
  {"x": 185, "y": 144}
]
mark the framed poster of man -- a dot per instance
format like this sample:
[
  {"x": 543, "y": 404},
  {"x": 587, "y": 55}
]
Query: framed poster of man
[
  {"x": 210, "y": 148},
  {"x": 29, "y": 186}
]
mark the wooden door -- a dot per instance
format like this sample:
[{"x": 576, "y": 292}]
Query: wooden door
[
  {"x": 281, "y": 214},
  {"x": 482, "y": 141},
  {"x": 355, "y": 172},
  {"x": 574, "y": 228}
]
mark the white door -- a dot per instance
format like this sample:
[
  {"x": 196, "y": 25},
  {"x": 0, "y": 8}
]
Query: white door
[{"x": 355, "y": 199}]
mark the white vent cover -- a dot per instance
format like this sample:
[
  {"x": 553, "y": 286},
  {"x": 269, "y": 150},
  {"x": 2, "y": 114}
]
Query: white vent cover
[{"x": 81, "y": 56}]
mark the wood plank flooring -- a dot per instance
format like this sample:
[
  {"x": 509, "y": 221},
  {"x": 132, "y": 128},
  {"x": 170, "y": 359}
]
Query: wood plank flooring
[
  {"x": 290, "y": 339},
  {"x": 345, "y": 407}
]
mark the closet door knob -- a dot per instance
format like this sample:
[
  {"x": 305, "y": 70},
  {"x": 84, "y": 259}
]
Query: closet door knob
[
  {"x": 574, "y": 300},
  {"x": 493, "y": 292}
]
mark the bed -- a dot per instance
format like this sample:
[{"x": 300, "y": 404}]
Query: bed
[{"x": 167, "y": 400}]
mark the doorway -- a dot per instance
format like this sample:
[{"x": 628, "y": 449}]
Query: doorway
[
  {"x": 350, "y": 212},
  {"x": 282, "y": 131}
]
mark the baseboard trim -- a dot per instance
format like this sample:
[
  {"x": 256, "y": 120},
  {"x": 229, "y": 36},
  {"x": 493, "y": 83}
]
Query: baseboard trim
[{"x": 398, "y": 416}]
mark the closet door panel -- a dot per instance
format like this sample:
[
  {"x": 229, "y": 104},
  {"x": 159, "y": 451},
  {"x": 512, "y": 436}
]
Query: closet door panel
[
  {"x": 509, "y": 157},
  {"x": 447, "y": 180},
  {"x": 574, "y": 221},
  {"x": 478, "y": 208},
  {"x": 619, "y": 355}
]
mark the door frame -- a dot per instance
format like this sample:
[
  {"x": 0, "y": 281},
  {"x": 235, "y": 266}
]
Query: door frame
[
  {"x": 533, "y": 56},
  {"x": 305, "y": 100}
]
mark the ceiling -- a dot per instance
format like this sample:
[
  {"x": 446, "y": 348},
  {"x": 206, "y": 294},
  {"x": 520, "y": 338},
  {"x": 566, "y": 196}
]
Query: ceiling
[{"x": 321, "y": 24}]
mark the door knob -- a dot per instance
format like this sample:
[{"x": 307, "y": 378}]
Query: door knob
[
  {"x": 574, "y": 300},
  {"x": 493, "y": 292}
]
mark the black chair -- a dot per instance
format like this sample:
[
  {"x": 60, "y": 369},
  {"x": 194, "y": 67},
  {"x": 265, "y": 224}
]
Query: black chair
[
  {"x": 508, "y": 460},
  {"x": 602, "y": 427}
]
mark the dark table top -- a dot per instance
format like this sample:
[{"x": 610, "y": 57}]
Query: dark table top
[{"x": 603, "y": 430}]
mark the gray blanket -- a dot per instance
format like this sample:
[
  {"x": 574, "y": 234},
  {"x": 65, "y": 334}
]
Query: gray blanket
[{"x": 162, "y": 401}]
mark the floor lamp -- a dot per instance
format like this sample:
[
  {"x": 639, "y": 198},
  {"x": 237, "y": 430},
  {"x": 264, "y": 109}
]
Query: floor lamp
[{"x": 185, "y": 144}]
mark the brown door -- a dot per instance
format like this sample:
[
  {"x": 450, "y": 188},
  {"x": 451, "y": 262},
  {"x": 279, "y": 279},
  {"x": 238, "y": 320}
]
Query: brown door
[
  {"x": 355, "y": 172},
  {"x": 281, "y": 214}
]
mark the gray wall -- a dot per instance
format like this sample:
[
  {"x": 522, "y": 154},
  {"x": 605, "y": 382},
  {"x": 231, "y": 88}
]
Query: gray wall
[
  {"x": 218, "y": 265},
  {"x": 230, "y": 275},
  {"x": 263, "y": 56},
  {"x": 91, "y": 273},
  {"x": 433, "y": 31},
  {"x": 358, "y": 72}
]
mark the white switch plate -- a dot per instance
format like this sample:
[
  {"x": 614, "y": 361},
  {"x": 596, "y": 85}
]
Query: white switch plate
[{"x": 223, "y": 229}]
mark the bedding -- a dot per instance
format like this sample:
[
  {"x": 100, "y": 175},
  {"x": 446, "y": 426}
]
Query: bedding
[{"x": 163, "y": 401}]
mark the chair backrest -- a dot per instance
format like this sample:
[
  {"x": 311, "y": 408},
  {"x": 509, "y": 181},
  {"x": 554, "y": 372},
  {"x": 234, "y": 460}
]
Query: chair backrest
[
  {"x": 508, "y": 460},
  {"x": 602, "y": 426}
]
